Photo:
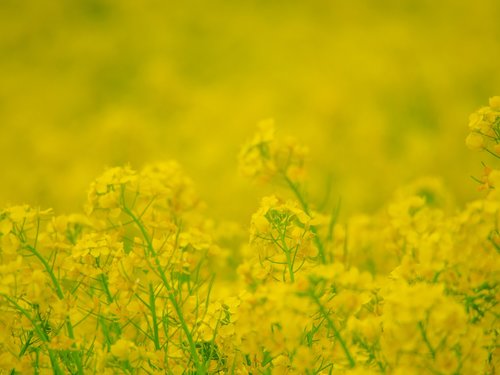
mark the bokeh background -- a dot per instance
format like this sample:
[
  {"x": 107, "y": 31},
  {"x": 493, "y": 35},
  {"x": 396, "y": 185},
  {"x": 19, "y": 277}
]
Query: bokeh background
[{"x": 379, "y": 89}]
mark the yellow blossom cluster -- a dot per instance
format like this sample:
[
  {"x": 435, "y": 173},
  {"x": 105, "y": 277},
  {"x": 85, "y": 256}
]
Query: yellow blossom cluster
[
  {"x": 143, "y": 282},
  {"x": 265, "y": 156},
  {"x": 484, "y": 125}
]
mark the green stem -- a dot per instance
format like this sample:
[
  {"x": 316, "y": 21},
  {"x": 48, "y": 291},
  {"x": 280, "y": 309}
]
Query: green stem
[
  {"x": 40, "y": 332},
  {"x": 152, "y": 307},
  {"x": 46, "y": 265},
  {"x": 336, "y": 332},
  {"x": 75, "y": 354},
  {"x": 290, "y": 266},
  {"x": 104, "y": 281},
  {"x": 170, "y": 291},
  {"x": 305, "y": 207},
  {"x": 105, "y": 331},
  {"x": 491, "y": 153},
  {"x": 287, "y": 251},
  {"x": 426, "y": 339}
]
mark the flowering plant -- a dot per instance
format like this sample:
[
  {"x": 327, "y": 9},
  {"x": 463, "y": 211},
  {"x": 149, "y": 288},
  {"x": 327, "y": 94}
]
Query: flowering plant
[{"x": 142, "y": 283}]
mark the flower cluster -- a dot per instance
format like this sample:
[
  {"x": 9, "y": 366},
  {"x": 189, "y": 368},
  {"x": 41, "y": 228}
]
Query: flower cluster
[
  {"x": 484, "y": 125},
  {"x": 281, "y": 237},
  {"x": 123, "y": 287},
  {"x": 141, "y": 283},
  {"x": 265, "y": 157}
]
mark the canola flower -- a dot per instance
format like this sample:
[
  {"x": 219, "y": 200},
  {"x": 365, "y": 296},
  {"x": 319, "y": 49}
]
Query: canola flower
[
  {"x": 141, "y": 283},
  {"x": 484, "y": 125}
]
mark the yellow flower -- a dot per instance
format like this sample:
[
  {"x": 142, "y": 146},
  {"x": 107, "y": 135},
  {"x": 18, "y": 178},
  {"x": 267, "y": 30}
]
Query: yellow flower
[
  {"x": 265, "y": 157},
  {"x": 475, "y": 141},
  {"x": 266, "y": 131},
  {"x": 494, "y": 103},
  {"x": 304, "y": 359},
  {"x": 5, "y": 226},
  {"x": 121, "y": 349},
  {"x": 10, "y": 243}
]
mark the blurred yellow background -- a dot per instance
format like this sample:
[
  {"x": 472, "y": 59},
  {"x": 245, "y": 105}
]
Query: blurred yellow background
[{"x": 379, "y": 90}]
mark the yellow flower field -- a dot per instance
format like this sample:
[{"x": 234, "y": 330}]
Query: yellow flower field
[{"x": 249, "y": 188}]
